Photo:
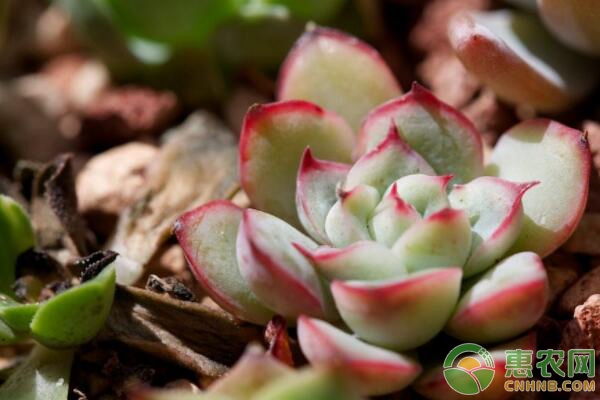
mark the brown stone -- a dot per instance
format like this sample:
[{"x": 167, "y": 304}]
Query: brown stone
[{"x": 586, "y": 286}]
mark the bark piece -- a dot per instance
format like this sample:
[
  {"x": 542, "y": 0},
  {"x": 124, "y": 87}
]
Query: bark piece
[{"x": 198, "y": 337}]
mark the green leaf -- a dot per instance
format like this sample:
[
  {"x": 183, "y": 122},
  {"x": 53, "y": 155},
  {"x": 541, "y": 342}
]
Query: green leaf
[
  {"x": 43, "y": 376},
  {"x": 16, "y": 315},
  {"x": 180, "y": 23},
  {"x": 76, "y": 315},
  {"x": 16, "y": 236}
]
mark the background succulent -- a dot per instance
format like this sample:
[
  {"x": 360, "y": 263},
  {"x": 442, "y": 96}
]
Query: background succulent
[
  {"x": 544, "y": 57},
  {"x": 410, "y": 230}
]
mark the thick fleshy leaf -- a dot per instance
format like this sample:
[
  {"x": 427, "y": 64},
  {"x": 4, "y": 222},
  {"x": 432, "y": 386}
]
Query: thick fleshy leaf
[
  {"x": 309, "y": 384},
  {"x": 188, "y": 22},
  {"x": 16, "y": 236},
  {"x": 559, "y": 158},
  {"x": 208, "y": 237},
  {"x": 347, "y": 221},
  {"x": 391, "y": 218},
  {"x": 8, "y": 334},
  {"x": 574, "y": 22},
  {"x": 44, "y": 375},
  {"x": 16, "y": 315},
  {"x": 75, "y": 316},
  {"x": 316, "y": 192},
  {"x": 401, "y": 313},
  {"x": 440, "y": 134},
  {"x": 364, "y": 260},
  {"x": 388, "y": 161},
  {"x": 504, "y": 302},
  {"x": 338, "y": 72},
  {"x": 273, "y": 138},
  {"x": 426, "y": 193},
  {"x": 375, "y": 370},
  {"x": 494, "y": 208},
  {"x": 251, "y": 373},
  {"x": 280, "y": 276},
  {"x": 433, "y": 385},
  {"x": 511, "y": 52},
  {"x": 443, "y": 239}
]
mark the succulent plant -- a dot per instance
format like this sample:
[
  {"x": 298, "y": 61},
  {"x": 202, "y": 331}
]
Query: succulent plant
[
  {"x": 67, "y": 319},
  {"x": 543, "y": 61},
  {"x": 376, "y": 236}
]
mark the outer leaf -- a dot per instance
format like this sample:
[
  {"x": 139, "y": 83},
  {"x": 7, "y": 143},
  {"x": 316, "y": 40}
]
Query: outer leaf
[
  {"x": 504, "y": 302},
  {"x": 8, "y": 335},
  {"x": 272, "y": 141},
  {"x": 441, "y": 240},
  {"x": 309, "y": 384},
  {"x": 433, "y": 385},
  {"x": 43, "y": 376},
  {"x": 442, "y": 135},
  {"x": 574, "y": 22},
  {"x": 75, "y": 316},
  {"x": 364, "y": 260},
  {"x": 279, "y": 275},
  {"x": 402, "y": 313},
  {"x": 316, "y": 192},
  {"x": 347, "y": 221},
  {"x": 187, "y": 22},
  {"x": 250, "y": 374},
  {"x": 208, "y": 237},
  {"x": 513, "y": 54},
  {"x": 338, "y": 72},
  {"x": 16, "y": 315},
  {"x": 390, "y": 160},
  {"x": 375, "y": 370},
  {"x": 496, "y": 213},
  {"x": 391, "y": 218},
  {"x": 558, "y": 157},
  {"x": 16, "y": 236},
  {"x": 312, "y": 10}
]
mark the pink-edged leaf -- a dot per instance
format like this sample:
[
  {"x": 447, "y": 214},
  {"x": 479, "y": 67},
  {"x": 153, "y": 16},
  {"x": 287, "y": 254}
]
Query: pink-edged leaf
[
  {"x": 443, "y": 136},
  {"x": 388, "y": 161},
  {"x": 391, "y": 218},
  {"x": 207, "y": 236},
  {"x": 494, "y": 207},
  {"x": 364, "y": 260},
  {"x": 375, "y": 370},
  {"x": 338, "y": 72},
  {"x": 254, "y": 370},
  {"x": 573, "y": 22},
  {"x": 316, "y": 192},
  {"x": 443, "y": 239},
  {"x": 280, "y": 276},
  {"x": 347, "y": 221},
  {"x": 400, "y": 313},
  {"x": 511, "y": 52},
  {"x": 506, "y": 301},
  {"x": 559, "y": 158},
  {"x": 273, "y": 138},
  {"x": 426, "y": 193},
  {"x": 433, "y": 385}
]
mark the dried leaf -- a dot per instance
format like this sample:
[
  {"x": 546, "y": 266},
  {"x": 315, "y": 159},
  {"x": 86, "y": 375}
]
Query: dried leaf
[
  {"x": 198, "y": 337},
  {"x": 197, "y": 163},
  {"x": 277, "y": 337},
  {"x": 54, "y": 214}
]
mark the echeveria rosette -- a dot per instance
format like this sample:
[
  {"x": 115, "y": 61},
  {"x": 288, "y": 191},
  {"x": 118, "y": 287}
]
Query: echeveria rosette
[{"x": 400, "y": 236}]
